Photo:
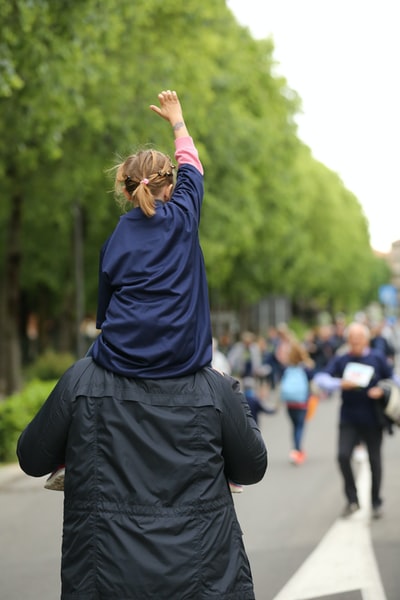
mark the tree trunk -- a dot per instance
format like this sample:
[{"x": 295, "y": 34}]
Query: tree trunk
[{"x": 10, "y": 355}]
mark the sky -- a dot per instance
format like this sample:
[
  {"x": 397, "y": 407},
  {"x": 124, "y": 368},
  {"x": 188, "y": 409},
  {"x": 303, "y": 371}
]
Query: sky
[{"x": 342, "y": 57}]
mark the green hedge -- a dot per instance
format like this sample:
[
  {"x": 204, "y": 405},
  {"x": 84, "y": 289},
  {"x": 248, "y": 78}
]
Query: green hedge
[
  {"x": 49, "y": 365},
  {"x": 17, "y": 411}
]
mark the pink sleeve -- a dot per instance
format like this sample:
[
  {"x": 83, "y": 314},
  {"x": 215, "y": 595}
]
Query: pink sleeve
[{"x": 186, "y": 153}]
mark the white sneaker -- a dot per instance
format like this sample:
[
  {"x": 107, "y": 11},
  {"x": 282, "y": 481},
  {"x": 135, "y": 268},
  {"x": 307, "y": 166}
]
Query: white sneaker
[{"x": 56, "y": 480}]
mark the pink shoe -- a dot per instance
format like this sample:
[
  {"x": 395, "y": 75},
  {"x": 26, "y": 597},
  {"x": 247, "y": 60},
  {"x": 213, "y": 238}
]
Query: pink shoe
[
  {"x": 301, "y": 457},
  {"x": 297, "y": 457}
]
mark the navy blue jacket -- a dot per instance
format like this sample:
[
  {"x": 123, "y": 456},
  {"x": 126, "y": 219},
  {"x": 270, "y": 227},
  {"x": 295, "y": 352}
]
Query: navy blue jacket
[{"x": 153, "y": 305}]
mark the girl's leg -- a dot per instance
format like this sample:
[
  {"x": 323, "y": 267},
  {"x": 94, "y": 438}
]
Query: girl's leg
[
  {"x": 299, "y": 427},
  {"x": 297, "y": 417}
]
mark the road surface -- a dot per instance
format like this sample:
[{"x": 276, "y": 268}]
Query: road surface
[{"x": 299, "y": 548}]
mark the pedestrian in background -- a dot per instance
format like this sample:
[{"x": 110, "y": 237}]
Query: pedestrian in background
[
  {"x": 219, "y": 360},
  {"x": 381, "y": 341},
  {"x": 356, "y": 374},
  {"x": 280, "y": 349},
  {"x": 323, "y": 347},
  {"x": 295, "y": 393},
  {"x": 245, "y": 359}
]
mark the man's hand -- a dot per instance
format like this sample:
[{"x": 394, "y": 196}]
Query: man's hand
[
  {"x": 348, "y": 385},
  {"x": 375, "y": 392}
]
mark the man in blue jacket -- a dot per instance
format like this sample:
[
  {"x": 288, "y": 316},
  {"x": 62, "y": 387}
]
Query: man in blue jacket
[{"x": 356, "y": 374}]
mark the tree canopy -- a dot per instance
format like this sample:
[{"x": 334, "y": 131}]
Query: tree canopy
[{"x": 76, "y": 80}]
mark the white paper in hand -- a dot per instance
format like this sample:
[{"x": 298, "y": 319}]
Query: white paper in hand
[{"x": 358, "y": 373}]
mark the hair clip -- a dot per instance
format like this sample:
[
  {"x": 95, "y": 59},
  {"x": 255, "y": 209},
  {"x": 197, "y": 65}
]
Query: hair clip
[
  {"x": 165, "y": 173},
  {"x": 144, "y": 181}
]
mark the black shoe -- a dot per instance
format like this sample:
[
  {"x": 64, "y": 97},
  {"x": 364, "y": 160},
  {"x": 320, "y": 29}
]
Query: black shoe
[
  {"x": 350, "y": 509},
  {"x": 377, "y": 512}
]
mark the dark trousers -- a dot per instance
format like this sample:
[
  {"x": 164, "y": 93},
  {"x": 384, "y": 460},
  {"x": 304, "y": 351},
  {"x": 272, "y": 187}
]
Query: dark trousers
[
  {"x": 297, "y": 417},
  {"x": 349, "y": 437},
  {"x": 255, "y": 404}
]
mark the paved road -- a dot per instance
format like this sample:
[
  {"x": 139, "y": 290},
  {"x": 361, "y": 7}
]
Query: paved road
[{"x": 298, "y": 548}]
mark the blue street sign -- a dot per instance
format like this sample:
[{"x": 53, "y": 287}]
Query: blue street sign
[{"x": 388, "y": 295}]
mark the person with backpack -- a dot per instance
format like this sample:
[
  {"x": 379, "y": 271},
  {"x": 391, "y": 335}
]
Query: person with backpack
[{"x": 294, "y": 393}]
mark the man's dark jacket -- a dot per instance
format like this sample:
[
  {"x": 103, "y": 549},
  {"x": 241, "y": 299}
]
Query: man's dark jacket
[{"x": 147, "y": 512}]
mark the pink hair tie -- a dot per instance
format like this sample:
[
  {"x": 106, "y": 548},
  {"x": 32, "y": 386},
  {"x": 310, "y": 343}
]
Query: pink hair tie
[{"x": 145, "y": 181}]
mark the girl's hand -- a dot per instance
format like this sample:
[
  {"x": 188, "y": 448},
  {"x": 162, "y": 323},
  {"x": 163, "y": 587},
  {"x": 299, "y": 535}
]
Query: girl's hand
[{"x": 170, "y": 108}]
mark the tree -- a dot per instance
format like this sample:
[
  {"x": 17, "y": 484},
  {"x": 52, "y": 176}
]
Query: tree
[
  {"x": 42, "y": 87},
  {"x": 76, "y": 79}
]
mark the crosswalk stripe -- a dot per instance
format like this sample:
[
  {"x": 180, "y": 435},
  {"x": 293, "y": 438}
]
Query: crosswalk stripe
[{"x": 344, "y": 560}]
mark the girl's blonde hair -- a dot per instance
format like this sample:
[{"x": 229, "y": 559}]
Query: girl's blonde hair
[
  {"x": 298, "y": 354},
  {"x": 143, "y": 175}
]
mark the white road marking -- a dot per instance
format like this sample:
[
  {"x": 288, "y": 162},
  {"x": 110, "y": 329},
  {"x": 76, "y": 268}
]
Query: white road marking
[{"x": 344, "y": 560}]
